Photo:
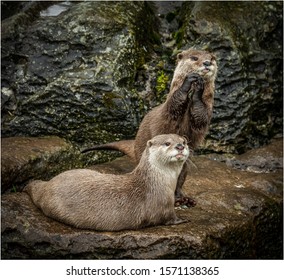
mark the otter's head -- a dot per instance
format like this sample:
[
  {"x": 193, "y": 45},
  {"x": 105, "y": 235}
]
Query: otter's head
[
  {"x": 168, "y": 148},
  {"x": 195, "y": 61}
]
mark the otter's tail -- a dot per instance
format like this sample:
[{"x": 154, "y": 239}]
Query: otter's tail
[
  {"x": 36, "y": 191},
  {"x": 124, "y": 146}
]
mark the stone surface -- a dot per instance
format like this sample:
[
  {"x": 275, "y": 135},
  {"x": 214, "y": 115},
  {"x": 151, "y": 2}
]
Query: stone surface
[
  {"x": 71, "y": 75},
  {"x": 238, "y": 216},
  {"x": 25, "y": 158},
  {"x": 90, "y": 73}
]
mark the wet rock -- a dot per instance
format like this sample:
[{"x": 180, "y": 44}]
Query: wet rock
[
  {"x": 91, "y": 73},
  {"x": 25, "y": 158},
  {"x": 262, "y": 160},
  {"x": 17, "y": 15},
  {"x": 72, "y": 75},
  {"x": 258, "y": 164},
  {"x": 237, "y": 216}
]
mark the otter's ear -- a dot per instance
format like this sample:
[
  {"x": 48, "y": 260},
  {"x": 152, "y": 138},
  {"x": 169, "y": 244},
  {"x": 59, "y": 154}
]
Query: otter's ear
[
  {"x": 149, "y": 143},
  {"x": 179, "y": 56},
  {"x": 185, "y": 138}
]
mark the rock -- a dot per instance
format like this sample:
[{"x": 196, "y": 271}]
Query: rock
[
  {"x": 26, "y": 158},
  {"x": 71, "y": 75},
  {"x": 262, "y": 160},
  {"x": 18, "y": 15},
  {"x": 236, "y": 217},
  {"x": 91, "y": 73}
]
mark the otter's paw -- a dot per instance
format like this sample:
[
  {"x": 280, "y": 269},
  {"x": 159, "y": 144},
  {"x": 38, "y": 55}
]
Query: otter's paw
[
  {"x": 177, "y": 221},
  {"x": 189, "y": 81},
  {"x": 198, "y": 87},
  {"x": 181, "y": 221},
  {"x": 187, "y": 201}
]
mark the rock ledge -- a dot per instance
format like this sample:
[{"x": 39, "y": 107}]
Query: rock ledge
[{"x": 238, "y": 216}]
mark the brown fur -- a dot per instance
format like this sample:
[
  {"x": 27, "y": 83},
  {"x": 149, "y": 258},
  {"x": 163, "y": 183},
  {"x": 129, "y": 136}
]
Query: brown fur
[
  {"x": 124, "y": 146},
  {"x": 187, "y": 110},
  {"x": 88, "y": 199}
]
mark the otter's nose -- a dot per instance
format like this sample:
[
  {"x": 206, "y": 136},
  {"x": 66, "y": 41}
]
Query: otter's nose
[
  {"x": 179, "y": 147},
  {"x": 207, "y": 63}
]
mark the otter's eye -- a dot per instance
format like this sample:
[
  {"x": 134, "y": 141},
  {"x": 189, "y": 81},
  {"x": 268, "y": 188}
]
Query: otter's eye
[
  {"x": 194, "y": 58},
  {"x": 167, "y": 144}
]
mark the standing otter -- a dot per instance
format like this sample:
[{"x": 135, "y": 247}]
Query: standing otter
[
  {"x": 90, "y": 200},
  {"x": 187, "y": 110}
]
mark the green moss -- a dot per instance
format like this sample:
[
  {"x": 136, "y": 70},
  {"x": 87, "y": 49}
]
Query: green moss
[
  {"x": 108, "y": 99},
  {"x": 162, "y": 81},
  {"x": 161, "y": 64},
  {"x": 178, "y": 36}
]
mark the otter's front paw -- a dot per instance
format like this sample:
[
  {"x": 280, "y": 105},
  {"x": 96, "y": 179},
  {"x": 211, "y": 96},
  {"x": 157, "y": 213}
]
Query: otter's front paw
[
  {"x": 198, "y": 87},
  {"x": 192, "y": 83},
  {"x": 177, "y": 221},
  {"x": 187, "y": 201}
]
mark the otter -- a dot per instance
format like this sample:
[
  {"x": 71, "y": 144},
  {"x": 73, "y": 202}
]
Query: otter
[
  {"x": 145, "y": 197},
  {"x": 187, "y": 111}
]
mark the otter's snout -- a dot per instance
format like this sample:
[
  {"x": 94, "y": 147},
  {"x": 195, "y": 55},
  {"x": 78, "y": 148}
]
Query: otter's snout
[
  {"x": 207, "y": 63},
  {"x": 179, "y": 147}
]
